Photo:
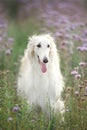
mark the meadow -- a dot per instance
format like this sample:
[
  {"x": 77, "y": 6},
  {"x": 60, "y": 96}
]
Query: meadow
[{"x": 71, "y": 39}]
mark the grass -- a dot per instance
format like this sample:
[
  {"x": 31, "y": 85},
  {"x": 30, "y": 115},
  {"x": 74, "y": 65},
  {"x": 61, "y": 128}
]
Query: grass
[{"x": 15, "y": 114}]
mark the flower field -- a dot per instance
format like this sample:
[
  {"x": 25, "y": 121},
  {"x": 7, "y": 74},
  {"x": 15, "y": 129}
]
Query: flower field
[{"x": 69, "y": 29}]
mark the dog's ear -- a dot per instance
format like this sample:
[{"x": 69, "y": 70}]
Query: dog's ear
[
  {"x": 31, "y": 46},
  {"x": 52, "y": 44},
  {"x": 53, "y": 48}
]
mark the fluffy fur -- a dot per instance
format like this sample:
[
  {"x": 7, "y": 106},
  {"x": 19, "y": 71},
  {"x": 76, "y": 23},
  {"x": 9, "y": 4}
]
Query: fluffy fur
[{"x": 40, "y": 80}]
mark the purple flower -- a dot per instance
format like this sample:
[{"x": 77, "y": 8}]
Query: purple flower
[
  {"x": 76, "y": 37},
  {"x": 82, "y": 48},
  {"x": 83, "y": 64},
  {"x": 8, "y": 52},
  {"x": 67, "y": 36},
  {"x": 73, "y": 27},
  {"x": 84, "y": 44},
  {"x": 10, "y": 40},
  {"x": 74, "y": 72},
  {"x": 16, "y": 109},
  {"x": 77, "y": 76},
  {"x": 3, "y": 25},
  {"x": 85, "y": 89},
  {"x": 60, "y": 35},
  {"x": 84, "y": 40},
  {"x": 85, "y": 32}
]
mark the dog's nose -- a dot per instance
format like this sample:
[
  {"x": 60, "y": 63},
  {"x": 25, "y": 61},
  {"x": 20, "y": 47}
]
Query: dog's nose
[{"x": 45, "y": 60}]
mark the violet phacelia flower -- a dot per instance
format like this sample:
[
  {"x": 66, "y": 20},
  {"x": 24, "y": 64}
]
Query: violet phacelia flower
[
  {"x": 86, "y": 89},
  {"x": 77, "y": 76},
  {"x": 82, "y": 64},
  {"x": 82, "y": 48},
  {"x": 74, "y": 72},
  {"x": 16, "y": 109}
]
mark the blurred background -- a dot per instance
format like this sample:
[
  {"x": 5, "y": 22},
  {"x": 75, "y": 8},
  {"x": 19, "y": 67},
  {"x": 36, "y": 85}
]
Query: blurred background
[
  {"x": 23, "y": 8},
  {"x": 66, "y": 21},
  {"x": 20, "y": 19}
]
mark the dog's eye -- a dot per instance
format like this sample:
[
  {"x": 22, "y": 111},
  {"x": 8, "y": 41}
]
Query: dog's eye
[
  {"x": 39, "y": 45},
  {"x": 48, "y": 46}
]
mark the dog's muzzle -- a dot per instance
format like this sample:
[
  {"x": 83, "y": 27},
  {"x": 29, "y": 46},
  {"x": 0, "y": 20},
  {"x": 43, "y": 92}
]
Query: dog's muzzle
[
  {"x": 43, "y": 64},
  {"x": 45, "y": 60}
]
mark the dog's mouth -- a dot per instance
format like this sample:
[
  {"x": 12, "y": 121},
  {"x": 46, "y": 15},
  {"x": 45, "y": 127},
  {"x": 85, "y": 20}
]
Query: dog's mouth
[{"x": 42, "y": 65}]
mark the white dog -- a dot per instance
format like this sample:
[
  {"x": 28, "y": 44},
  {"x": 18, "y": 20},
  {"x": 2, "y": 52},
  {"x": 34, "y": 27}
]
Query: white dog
[{"x": 40, "y": 79}]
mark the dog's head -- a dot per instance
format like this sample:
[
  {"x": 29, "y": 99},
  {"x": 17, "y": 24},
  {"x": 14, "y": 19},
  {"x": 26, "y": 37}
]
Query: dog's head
[{"x": 40, "y": 48}]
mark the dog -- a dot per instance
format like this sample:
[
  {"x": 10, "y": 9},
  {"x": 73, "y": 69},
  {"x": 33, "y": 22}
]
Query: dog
[{"x": 40, "y": 80}]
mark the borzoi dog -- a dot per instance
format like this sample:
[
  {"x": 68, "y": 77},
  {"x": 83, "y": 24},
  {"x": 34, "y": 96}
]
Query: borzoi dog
[{"x": 40, "y": 80}]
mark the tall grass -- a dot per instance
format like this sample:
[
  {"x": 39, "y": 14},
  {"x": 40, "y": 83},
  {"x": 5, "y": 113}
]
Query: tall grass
[{"x": 16, "y": 114}]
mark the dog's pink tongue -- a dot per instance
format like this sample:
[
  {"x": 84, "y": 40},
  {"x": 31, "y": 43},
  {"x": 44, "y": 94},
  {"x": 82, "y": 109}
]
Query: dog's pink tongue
[{"x": 43, "y": 67}]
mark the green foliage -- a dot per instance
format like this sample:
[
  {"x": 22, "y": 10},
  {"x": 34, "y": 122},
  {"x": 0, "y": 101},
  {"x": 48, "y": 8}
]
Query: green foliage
[{"x": 12, "y": 7}]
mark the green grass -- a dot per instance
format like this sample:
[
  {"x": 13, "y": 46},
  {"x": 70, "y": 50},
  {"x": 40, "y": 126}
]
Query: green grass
[{"x": 24, "y": 118}]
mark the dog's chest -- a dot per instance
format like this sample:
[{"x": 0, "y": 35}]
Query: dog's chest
[
  {"x": 43, "y": 85},
  {"x": 40, "y": 81}
]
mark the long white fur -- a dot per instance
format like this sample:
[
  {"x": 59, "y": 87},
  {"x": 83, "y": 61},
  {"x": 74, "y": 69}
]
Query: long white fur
[{"x": 42, "y": 89}]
